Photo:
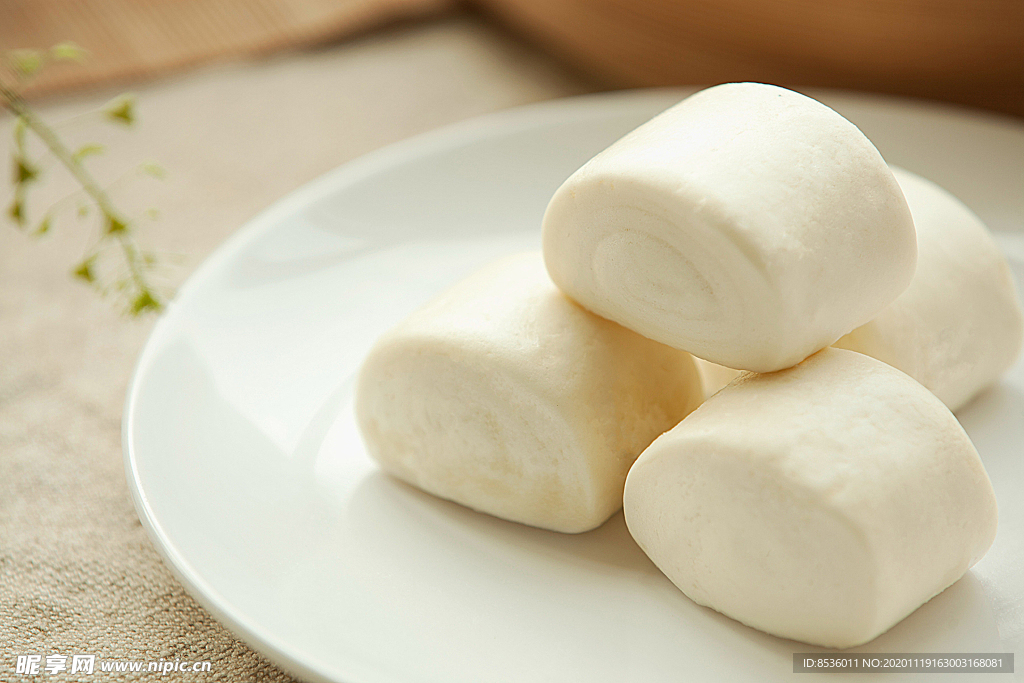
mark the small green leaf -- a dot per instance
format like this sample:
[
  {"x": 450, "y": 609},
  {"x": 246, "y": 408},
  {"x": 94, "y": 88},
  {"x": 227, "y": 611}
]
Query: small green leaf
[
  {"x": 25, "y": 62},
  {"x": 84, "y": 270},
  {"x": 154, "y": 170},
  {"x": 121, "y": 110},
  {"x": 145, "y": 302},
  {"x": 17, "y": 211},
  {"x": 68, "y": 51},
  {"x": 24, "y": 172},
  {"x": 44, "y": 226},
  {"x": 88, "y": 151},
  {"x": 115, "y": 225}
]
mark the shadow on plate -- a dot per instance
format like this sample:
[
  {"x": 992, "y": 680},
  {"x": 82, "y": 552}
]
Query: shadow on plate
[{"x": 387, "y": 513}]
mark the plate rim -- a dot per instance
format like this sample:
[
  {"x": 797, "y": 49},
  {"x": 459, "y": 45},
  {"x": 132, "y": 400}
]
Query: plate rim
[{"x": 460, "y": 132}]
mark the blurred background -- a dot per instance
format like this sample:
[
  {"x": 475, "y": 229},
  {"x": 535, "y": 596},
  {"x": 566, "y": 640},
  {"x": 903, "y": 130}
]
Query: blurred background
[{"x": 964, "y": 51}]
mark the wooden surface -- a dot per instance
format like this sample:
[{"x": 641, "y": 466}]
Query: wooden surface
[
  {"x": 965, "y": 51},
  {"x": 131, "y": 40},
  {"x": 970, "y": 52}
]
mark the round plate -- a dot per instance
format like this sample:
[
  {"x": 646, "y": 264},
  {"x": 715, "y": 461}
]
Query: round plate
[{"x": 251, "y": 478}]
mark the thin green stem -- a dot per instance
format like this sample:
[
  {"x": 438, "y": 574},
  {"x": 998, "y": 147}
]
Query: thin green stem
[{"x": 17, "y": 105}]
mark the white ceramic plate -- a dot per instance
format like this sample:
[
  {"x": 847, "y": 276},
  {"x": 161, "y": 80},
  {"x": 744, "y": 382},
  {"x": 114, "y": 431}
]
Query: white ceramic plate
[{"x": 250, "y": 476}]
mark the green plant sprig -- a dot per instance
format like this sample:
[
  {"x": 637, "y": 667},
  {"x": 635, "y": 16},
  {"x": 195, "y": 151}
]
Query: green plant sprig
[{"x": 142, "y": 296}]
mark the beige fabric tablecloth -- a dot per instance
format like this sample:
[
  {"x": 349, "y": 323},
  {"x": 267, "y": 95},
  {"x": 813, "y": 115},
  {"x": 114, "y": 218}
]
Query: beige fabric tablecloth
[{"x": 77, "y": 572}]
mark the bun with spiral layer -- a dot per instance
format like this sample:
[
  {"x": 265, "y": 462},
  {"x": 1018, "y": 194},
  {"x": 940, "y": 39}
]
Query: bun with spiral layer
[{"x": 748, "y": 224}]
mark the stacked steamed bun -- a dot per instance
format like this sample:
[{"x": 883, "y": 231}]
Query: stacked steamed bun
[
  {"x": 958, "y": 326},
  {"x": 822, "y": 503},
  {"x": 507, "y": 397},
  {"x": 748, "y": 225},
  {"x": 751, "y": 227}
]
